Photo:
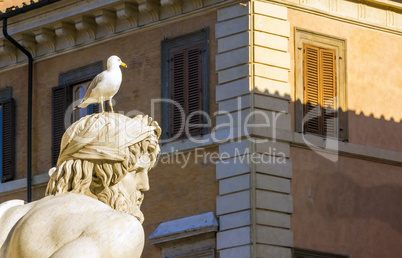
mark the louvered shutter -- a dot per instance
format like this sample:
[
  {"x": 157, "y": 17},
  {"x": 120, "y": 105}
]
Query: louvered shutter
[
  {"x": 311, "y": 89},
  {"x": 60, "y": 100},
  {"x": 328, "y": 86},
  {"x": 186, "y": 89},
  {"x": 178, "y": 75},
  {"x": 320, "y": 91},
  {"x": 8, "y": 137},
  {"x": 194, "y": 89}
]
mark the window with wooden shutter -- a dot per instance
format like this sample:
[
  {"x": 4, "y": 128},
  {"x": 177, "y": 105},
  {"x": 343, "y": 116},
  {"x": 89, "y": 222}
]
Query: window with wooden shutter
[
  {"x": 185, "y": 81},
  {"x": 320, "y": 103},
  {"x": 186, "y": 90},
  {"x": 64, "y": 95},
  {"x": 61, "y": 98},
  {"x": 320, "y": 85},
  {"x": 7, "y": 140}
]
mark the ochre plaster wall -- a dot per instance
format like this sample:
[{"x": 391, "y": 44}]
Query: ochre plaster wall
[
  {"x": 351, "y": 206},
  {"x": 373, "y": 84}
]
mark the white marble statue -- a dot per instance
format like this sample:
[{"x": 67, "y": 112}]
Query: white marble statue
[{"x": 93, "y": 198}]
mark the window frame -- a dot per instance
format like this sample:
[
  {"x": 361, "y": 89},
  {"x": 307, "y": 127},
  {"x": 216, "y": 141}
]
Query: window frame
[
  {"x": 79, "y": 75},
  {"x": 308, "y": 253},
  {"x": 89, "y": 109},
  {"x": 169, "y": 46},
  {"x": 7, "y": 103},
  {"x": 66, "y": 81},
  {"x": 303, "y": 37}
]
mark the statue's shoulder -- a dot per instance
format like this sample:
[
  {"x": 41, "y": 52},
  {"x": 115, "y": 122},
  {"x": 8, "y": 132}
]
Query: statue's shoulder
[
  {"x": 92, "y": 214},
  {"x": 9, "y": 204},
  {"x": 5, "y": 208},
  {"x": 70, "y": 202},
  {"x": 10, "y": 213},
  {"x": 69, "y": 220},
  {"x": 79, "y": 206},
  {"x": 114, "y": 233}
]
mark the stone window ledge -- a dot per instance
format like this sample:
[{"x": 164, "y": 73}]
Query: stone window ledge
[
  {"x": 193, "y": 236},
  {"x": 21, "y": 184},
  {"x": 184, "y": 228}
]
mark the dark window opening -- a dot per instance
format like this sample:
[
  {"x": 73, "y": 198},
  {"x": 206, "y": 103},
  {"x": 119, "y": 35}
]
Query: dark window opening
[
  {"x": 7, "y": 135},
  {"x": 185, "y": 86}
]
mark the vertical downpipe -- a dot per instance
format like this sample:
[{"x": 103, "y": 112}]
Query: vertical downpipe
[{"x": 29, "y": 129}]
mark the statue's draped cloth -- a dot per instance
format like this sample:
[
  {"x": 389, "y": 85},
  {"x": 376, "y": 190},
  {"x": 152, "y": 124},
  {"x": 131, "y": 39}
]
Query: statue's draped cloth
[{"x": 104, "y": 137}]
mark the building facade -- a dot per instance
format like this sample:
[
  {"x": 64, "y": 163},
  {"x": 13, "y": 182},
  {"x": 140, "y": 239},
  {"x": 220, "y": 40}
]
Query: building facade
[{"x": 281, "y": 118}]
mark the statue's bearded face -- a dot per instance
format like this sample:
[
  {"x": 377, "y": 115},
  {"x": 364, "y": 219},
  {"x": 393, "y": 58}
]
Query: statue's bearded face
[{"x": 135, "y": 183}]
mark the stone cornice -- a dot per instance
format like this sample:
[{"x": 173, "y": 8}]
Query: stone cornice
[
  {"x": 127, "y": 11},
  {"x": 383, "y": 4},
  {"x": 68, "y": 24},
  {"x": 117, "y": 35},
  {"x": 383, "y": 13},
  {"x": 40, "y": 30}
]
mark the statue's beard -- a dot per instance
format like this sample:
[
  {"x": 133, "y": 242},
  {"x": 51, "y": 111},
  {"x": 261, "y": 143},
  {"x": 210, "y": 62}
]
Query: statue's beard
[
  {"x": 135, "y": 205},
  {"x": 118, "y": 198}
]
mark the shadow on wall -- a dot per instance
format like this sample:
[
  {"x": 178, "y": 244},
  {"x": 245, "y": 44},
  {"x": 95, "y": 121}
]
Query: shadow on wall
[
  {"x": 359, "y": 128},
  {"x": 350, "y": 188},
  {"x": 349, "y": 198}
]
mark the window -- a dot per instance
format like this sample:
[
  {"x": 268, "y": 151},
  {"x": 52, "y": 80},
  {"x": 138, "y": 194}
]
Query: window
[
  {"x": 7, "y": 135},
  {"x": 320, "y": 85},
  {"x": 78, "y": 91},
  {"x": 73, "y": 85},
  {"x": 185, "y": 81},
  {"x": 305, "y": 253},
  {"x": 319, "y": 77}
]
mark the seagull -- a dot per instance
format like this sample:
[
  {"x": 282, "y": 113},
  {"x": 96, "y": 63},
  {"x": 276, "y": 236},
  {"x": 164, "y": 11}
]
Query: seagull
[{"x": 105, "y": 85}]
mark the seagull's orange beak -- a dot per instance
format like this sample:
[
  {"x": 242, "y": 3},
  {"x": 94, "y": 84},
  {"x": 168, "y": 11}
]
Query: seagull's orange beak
[{"x": 123, "y": 64}]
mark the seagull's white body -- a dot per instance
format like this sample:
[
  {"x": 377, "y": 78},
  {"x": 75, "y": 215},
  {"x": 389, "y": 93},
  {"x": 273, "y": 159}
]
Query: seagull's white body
[{"x": 105, "y": 85}]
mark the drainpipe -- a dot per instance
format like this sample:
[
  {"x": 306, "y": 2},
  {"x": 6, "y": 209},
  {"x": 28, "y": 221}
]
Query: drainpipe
[{"x": 29, "y": 129}]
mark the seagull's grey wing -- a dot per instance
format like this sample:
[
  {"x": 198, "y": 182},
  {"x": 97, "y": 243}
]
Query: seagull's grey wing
[{"x": 93, "y": 84}]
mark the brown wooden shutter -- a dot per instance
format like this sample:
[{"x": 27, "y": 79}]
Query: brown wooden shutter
[
  {"x": 320, "y": 90},
  {"x": 194, "y": 89},
  {"x": 311, "y": 89},
  {"x": 60, "y": 100},
  {"x": 186, "y": 85},
  {"x": 8, "y": 136},
  {"x": 328, "y": 85},
  {"x": 178, "y": 73}
]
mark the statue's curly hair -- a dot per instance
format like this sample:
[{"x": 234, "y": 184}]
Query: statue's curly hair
[{"x": 99, "y": 178}]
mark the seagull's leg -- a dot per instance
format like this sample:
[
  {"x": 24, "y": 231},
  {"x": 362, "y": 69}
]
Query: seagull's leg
[
  {"x": 101, "y": 102},
  {"x": 110, "y": 104}
]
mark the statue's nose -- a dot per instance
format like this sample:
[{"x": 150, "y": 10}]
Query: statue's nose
[{"x": 143, "y": 182}]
